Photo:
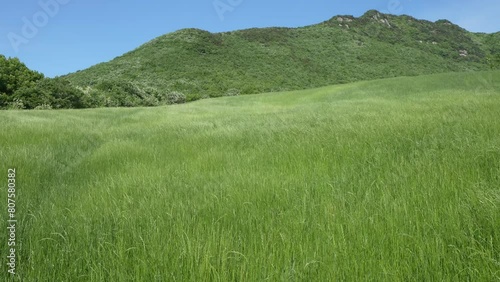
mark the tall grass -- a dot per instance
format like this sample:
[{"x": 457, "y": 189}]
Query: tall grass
[{"x": 386, "y": 180}]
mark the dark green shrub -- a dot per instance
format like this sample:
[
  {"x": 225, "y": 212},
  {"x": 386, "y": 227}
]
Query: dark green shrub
[
  {"x": 119, "y": 93},
  {"x": 32, "y": 96},
  {"x": 63, "y": 94},
  {"x": 58, "y": 93}
]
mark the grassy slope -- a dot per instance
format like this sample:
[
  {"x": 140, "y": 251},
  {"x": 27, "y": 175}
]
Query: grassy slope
[
  {"x": 385, "y": 180},
  {"x": 200, "y": 64}
]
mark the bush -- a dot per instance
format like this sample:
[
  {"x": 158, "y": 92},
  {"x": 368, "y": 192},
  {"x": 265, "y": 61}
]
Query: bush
[
  {"x": 16, "y": 105},
  {"x": 44, "y": 107},
  {"x": 493, "y": 61},
  {"x": 119, "y": 93},
  {"x": 57, "y": 93},
  {"x": 93, "y": 98},
  {"x": 32, "y": 96},
  {"x": 63, "y": 94},
  {"x": 233, "y": 92},
  {"x": 175, "y": 98},
  {"x": 151, "y": 97}
]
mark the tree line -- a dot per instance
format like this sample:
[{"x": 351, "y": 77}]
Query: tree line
[{"x": 22, "y": 88}]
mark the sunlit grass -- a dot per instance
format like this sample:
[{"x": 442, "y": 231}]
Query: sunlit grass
[{"x": 388, "y": 180}]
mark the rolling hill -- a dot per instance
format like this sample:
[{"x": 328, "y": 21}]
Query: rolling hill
[
  {"x": 200, "y": 64},
  {"x": 387, "y": 180}
]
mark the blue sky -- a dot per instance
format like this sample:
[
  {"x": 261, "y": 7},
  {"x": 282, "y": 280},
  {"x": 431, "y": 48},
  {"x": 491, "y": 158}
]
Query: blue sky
[{"x": 57, "y": 37}]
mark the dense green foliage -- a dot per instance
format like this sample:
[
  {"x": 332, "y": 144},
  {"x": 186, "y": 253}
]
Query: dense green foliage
[
  {"x": 14, "y": 75},
  {"x": 55, "y": 93},
  {"x": 120, "y": 93},
  {"x": 343, "y": 49},
  {"x": 22, "y": 88},
  {"x": 390, "y": 180}
]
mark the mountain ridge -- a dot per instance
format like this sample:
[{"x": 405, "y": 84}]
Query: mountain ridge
[{"x": 200, "y": 64}]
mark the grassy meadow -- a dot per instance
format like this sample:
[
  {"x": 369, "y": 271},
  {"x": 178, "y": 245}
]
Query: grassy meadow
[{"x": 387, "y": 180}]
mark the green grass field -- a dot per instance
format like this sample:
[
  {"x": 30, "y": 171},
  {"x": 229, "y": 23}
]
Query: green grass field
[{"x": 388, "y": 180}]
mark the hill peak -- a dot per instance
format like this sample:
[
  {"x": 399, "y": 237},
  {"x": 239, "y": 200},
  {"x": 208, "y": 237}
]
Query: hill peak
[
  {"x": 372, "y": 13},
  {"x": 373, "y": 16}
]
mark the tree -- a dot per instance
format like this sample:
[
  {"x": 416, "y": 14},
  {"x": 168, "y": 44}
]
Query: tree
[
  {"x": 32, "y": 96},
  {"x": 13, "y": 76}
]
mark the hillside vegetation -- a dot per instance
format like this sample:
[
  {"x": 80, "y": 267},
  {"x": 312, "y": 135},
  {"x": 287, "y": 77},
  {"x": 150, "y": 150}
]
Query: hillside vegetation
[
  {"x": 196, "y": 64},
  {"x": 387, "y": 180},
  {"x": 22, "y": 88},
  {"x": 192, "y": 64}
]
